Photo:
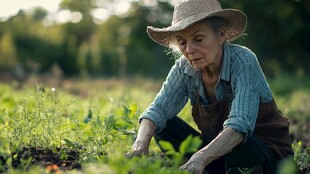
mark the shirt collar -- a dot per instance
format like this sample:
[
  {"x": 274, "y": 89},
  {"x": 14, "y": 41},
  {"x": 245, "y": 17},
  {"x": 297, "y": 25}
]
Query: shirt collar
[{"x": 225, "y": 70}]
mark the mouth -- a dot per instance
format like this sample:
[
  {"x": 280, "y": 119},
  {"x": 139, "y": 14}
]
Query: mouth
[{"x": 196, "y": 59}]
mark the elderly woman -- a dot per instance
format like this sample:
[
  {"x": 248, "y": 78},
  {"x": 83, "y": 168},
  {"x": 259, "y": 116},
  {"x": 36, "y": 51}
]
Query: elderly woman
[{"x": 232, "y": 104}]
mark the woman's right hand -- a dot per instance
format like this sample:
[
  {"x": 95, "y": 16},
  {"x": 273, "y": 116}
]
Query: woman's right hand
[
  {"x": 145, "y": 134},
  {"x": 140, "y": 147}
]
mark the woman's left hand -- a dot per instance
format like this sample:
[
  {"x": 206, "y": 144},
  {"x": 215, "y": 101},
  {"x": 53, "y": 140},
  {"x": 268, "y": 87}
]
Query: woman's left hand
[{"x": 194, "y": 164}]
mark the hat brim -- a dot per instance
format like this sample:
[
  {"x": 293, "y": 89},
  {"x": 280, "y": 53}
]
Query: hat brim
[{"x": 236, "y": 25}]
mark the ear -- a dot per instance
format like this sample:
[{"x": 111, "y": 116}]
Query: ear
[{"x": 222, "y": 36}]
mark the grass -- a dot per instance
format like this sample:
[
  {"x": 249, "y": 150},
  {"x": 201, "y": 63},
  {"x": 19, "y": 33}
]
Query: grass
[{"x": 87, "y": 126}]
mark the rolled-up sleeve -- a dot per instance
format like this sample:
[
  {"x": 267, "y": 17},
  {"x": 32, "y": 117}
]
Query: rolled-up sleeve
[
  {"x": 244, "y": 107},
  {"x": 169, "y": 101}
]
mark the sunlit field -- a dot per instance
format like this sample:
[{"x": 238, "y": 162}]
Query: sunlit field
[{"x": 88, "y": 126}]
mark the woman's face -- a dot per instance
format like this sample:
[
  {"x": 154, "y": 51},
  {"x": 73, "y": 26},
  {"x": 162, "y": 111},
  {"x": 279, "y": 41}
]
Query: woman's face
[{"x": 200, "y": 45}]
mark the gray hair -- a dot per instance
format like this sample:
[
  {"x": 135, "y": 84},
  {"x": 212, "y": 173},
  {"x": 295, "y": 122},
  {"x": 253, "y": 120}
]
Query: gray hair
[{"x": 217, "y": 23}]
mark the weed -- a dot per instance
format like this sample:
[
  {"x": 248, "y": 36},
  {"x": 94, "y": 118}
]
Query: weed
[
  {"x": 302, "y": 157},
  {"x": 91, "y": 132},
  {"x": 188, "y": 146}
]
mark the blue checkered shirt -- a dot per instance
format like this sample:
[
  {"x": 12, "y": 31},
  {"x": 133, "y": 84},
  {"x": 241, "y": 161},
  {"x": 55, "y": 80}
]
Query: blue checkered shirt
[{"x": 249, "y": 86}]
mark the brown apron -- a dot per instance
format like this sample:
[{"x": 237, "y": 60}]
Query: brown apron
[{"x": 271, "y": 127}]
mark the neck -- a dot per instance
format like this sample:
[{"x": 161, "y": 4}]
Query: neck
[{"x": 213, "y": 70}]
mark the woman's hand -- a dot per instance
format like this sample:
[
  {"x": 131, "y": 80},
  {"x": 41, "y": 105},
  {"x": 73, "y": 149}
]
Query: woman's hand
[
  {"x": 145, "y": 134},
  {"x": 140, "y": 148},
  {"x": 220, "y": 146},
  {"x": 195, "y": 164}
]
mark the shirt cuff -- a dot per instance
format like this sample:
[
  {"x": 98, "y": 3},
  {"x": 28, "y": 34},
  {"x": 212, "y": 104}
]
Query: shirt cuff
[
  {"x": 239, "y": 125},
  {"x": 156, "y": 118}
]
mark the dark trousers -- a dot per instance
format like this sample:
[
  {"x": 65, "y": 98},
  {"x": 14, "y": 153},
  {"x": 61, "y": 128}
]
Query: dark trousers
[{"x": 254, "y": 154}]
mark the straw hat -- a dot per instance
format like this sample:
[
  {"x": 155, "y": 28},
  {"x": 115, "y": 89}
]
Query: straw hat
[{"x": 187, "y": 12}]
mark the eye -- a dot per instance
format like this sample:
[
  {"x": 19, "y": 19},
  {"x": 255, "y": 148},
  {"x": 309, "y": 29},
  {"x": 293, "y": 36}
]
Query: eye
[
  {"x": 198, "y": 38},
  {"x": 181, "y": 42}
]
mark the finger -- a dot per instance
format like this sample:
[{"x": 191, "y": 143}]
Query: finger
[
  {"x": 184, "y": 167},
  {"x": 130, "y": 155}
]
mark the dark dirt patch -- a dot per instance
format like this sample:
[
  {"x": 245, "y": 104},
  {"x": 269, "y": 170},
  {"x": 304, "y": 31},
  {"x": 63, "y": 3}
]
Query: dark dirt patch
[{"x": 65, "y": 159}]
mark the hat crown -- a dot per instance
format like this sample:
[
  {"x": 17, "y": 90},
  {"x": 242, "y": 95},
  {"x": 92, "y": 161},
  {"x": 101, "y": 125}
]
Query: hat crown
[
  {"x": 187, "y": 8},
  {"x": 188, "y": 12}
]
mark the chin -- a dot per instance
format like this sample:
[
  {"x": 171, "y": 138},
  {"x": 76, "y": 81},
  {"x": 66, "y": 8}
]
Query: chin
[{"x": 198, "y": 67}]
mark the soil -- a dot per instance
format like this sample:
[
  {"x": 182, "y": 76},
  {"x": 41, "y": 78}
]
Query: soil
[{"x": 47, "y": 157}]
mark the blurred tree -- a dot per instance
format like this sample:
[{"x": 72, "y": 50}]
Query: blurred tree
[
  {"x": 33, "y": 52},
  {"x": 77, "y": 37},
  {"x": 7, "y": 51},
  {"x": 125, "y": 47},
  {"x": 117, "y": 43},
  {"x": 39, "y": 14},
  {"x": 84, "y": 29},
  {"x": 144, "y": 56},
  {"x": 277, "y": 32}
]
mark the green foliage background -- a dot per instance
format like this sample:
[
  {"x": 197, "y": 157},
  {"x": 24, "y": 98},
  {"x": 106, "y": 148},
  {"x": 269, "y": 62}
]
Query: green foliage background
[
  {"x": 277, "y": 32},
  {"x": 97, "y": 119}
]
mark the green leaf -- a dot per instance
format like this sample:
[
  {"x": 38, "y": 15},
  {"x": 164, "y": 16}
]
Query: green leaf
[
  {"x": 69, "y": 143},
  {"x": 110, "y": 123},
  {"x": 167, "y": 146},
  {"x": 287, "y": 166},
  {"x": 126, "y": 111},
  {"x": 190, "y": 144},
  {"x": 133, "y": 109},
  {"x": 89, "y": 116},
  {"x": 128, "y": 132}
]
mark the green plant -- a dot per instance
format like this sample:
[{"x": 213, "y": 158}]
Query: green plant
[
  {"x": 94, "y": 127},
  {"x": 287, "y": 166},
  {"x": 302, "y": 157},
  {"x": 188, "y": 146},
  {"x": 245, "y": 170}
]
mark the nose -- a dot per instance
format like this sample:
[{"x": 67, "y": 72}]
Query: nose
[{"x": 190, "y": 49}]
